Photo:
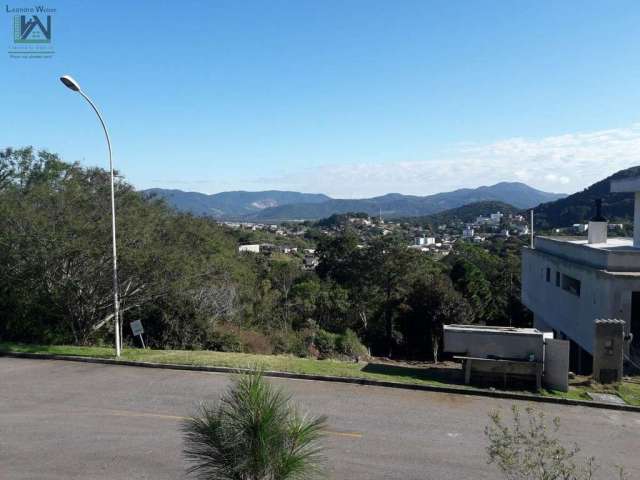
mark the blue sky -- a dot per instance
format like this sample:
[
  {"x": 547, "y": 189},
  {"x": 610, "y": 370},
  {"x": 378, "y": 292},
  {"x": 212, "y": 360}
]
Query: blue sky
[{"x": 350, "y": 98}]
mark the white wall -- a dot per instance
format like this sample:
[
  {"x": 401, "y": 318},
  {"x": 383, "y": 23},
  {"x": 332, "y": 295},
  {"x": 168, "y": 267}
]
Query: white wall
[{"x": 603, "y": 295}]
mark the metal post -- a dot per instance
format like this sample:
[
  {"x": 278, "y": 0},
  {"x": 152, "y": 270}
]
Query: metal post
[
  {"x": 116, "y": 303},
  {"x": 532, "y": 228}
]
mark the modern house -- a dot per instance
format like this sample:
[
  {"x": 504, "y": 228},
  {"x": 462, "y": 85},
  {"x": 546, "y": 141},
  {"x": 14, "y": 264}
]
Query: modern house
[{"x": 569, "y": 283}]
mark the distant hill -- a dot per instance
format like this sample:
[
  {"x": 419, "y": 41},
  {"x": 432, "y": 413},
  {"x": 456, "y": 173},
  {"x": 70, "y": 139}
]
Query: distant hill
[
  {"x": 275, "y": 205},
  {"x": 235, "y": 204},
  {"x": 579, "y": 207},
  {"x": 394, "y": 205},
  {"x": 467, "y": 213}
]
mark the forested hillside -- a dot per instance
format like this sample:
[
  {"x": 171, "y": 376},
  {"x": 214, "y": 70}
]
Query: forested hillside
[
  {"x": 183, "y": 277},
  {"x": 579, "y": 207},
  {"x": 465, "y": 214}
]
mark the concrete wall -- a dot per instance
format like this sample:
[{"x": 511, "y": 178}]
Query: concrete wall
[
  {"x": 556, "y": 364},
  {"x": 603, "y": 295},
  {"x": 608, "y": 351},
  {"x": 482, "y": 344}
]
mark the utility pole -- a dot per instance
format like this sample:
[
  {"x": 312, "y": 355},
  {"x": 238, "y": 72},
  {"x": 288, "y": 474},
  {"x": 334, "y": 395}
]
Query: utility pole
[
  {"x": 71, "y": 84},
  {"x": 532, "y": 228}
]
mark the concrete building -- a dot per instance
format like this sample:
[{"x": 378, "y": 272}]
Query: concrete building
[
  {"x": 568, "y": 283},
  {"x": 254, "y": 248}
]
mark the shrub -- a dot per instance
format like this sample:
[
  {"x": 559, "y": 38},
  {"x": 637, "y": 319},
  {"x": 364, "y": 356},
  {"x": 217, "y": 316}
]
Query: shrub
[
  {"x": 253, "y": 433},
  {"x": 254, "y": 341},
  {"x": 326, "y": 343},
  {"x": 349, "y": 344},
  {"x": 294, "y": 343},
  {"x": 223, "y": 339},
  {"x": 529, "y": 450}
]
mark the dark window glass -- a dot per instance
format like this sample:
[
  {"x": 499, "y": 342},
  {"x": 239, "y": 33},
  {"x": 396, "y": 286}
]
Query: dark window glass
[{"x": 571, "y": 285}]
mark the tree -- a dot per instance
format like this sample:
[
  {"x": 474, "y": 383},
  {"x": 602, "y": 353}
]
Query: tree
[
  {"x": 55, "y": 258},
  {"x": 472, "y": 283},
  {"x": 283, "y": 275},
  {"x": 253, "y": 433},
  {"x": 431, "y": 303},
  {"x": 529, "y": 449}
]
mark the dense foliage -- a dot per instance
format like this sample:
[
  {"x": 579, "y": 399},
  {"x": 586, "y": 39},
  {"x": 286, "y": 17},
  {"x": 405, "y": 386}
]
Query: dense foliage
[{"x": 184, "y": 278}]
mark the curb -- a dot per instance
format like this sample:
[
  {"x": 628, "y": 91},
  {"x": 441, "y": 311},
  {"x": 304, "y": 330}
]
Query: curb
[{"x": 326, "y": 378}]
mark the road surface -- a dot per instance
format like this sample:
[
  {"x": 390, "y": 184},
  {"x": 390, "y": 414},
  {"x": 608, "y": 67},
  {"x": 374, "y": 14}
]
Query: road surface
[{"x": 68, "y": 420}]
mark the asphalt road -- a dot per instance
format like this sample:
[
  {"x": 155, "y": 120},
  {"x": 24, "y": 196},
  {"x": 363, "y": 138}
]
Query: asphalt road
[{"x": 68, "y": 420}]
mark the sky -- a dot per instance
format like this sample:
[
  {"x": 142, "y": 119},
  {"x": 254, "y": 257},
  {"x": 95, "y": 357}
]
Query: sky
[{"x": 350, "y": 98}]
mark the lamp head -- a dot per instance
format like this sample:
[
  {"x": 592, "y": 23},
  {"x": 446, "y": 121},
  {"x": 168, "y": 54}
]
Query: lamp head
[{"x": 70, "y": 83}]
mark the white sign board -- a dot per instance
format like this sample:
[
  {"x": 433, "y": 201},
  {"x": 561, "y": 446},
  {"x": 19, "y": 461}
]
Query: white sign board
[{"x": 136, "y": 327}]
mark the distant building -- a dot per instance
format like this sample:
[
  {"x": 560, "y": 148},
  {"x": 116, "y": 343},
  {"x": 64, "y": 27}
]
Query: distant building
[
  {"x": 310, "y": 262},
  {"x": 254, "y": 248},
  {"x": 468, "y": 232},
  {"x": 492, "y": 219},
  {"x": 580, "y": 228}
]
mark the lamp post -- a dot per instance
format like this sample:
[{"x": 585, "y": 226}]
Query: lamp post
[{"x": 70, "y": 83}]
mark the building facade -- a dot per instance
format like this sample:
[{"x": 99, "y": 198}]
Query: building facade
[{"x": 569, "y": 283}]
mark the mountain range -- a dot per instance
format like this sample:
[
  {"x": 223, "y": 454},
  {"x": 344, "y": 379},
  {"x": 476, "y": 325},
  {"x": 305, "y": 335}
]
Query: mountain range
[
  {"x": 275, "y": 205},
  {"x": 236, "y": 204}
]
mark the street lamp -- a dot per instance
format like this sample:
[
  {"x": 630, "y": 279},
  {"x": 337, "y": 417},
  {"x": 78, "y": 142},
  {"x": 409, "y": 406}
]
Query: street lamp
[{"x": 70, "y": 83}]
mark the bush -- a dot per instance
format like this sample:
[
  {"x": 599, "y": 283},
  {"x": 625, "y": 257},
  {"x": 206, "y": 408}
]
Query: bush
[
  {"x": 294, "y": 343},
  {"x": 326, "y": 343},
  {"x": 529, "y": 450},
  {"x": 223, "y": 339},
  {"x": 254, "y": 341},
  {"x": 349, "y": 344}
]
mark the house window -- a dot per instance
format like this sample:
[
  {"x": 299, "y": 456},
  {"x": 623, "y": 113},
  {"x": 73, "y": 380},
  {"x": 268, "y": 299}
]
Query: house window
[
  {"x": 548, "y": 274},
  {"x": 557, "y": 279},
  {"x": 571, "y": 285}
]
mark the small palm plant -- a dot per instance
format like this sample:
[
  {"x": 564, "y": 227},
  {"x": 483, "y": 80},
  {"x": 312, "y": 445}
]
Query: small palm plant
[{"x": 253, "y": 433}]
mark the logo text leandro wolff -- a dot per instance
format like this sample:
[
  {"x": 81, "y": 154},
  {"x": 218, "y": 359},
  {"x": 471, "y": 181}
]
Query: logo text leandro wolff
[{"x": 34, "y": 9}]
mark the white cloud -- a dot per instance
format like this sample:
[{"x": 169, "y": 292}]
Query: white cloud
[{"x": 565, "y": 163}]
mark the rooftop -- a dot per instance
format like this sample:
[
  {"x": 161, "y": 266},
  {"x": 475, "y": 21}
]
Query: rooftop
[
  {"x": 612, "y": 244},
  {"x": 616, "y": 255},
  {"x": 492, "y": 329}
]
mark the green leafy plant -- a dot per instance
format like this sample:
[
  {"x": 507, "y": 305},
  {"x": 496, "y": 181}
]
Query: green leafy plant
[
  {"x": 253, "y": 433},
  {"x": 529, "y": 449},
  {"x": 349, "y": 344},
  {"x": 326, "y": 343}
]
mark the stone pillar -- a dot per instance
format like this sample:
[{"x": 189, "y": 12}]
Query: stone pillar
[{"x": 608, "y": 348}]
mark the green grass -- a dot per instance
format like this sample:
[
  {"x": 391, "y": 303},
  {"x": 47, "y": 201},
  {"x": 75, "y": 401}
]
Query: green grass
[
  {"x": 281, "y": 363},
  {"x": 628, "y": 391}
]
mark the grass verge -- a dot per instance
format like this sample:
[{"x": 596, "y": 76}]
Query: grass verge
[
  {"x": 281, "y": 363},
  {"x": 628, "y": 391}
]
